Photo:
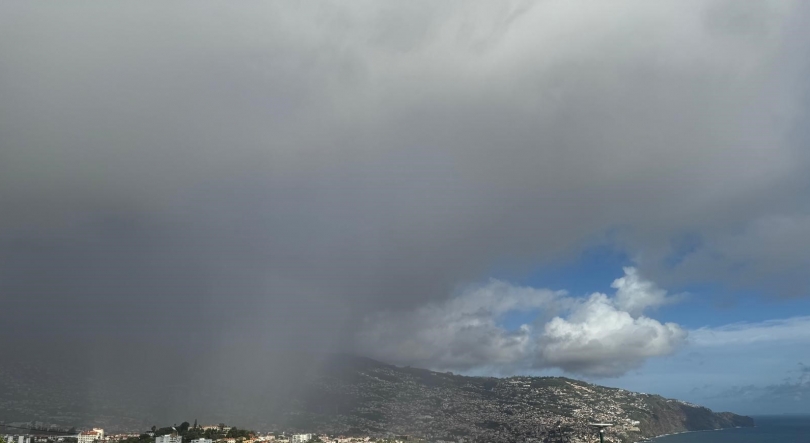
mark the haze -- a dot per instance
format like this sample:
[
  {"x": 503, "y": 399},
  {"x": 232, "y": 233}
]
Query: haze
[{"x": 190, "y": 192}]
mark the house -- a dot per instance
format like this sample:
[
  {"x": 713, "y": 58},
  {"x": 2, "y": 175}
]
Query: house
[
  {"x": 301, "y": 438},
  {"x": 169, "y": 438},
  {"x": 93, "y": 436}
]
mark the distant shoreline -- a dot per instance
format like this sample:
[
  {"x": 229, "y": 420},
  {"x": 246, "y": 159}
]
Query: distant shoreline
[{"x": 701, "y": 430}]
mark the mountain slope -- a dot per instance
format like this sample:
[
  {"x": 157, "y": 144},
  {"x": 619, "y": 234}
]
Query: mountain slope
[
  {"x": 347, "y": 394},
  {"x": 365, "y": 396}
]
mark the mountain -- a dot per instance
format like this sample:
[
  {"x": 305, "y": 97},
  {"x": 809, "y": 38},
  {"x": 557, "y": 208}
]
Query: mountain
[{"x": 355, "y": 395}]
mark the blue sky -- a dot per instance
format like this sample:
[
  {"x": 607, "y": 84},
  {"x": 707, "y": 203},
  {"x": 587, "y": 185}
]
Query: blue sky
[
  {"x": 702, "y": 305},
  {"x": 743, "y": 377}
]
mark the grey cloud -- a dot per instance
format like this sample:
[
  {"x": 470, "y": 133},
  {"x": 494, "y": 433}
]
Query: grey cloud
[
  {"x": 463, "y": 333},
  {"x": 256, "y": 179}
]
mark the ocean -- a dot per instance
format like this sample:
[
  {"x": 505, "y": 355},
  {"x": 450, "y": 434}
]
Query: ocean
[{"x": 772, "y": 429}]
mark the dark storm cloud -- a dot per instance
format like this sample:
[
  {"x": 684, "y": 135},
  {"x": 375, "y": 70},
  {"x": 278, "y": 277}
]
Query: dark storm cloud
[{"x": 262, "y": 178}]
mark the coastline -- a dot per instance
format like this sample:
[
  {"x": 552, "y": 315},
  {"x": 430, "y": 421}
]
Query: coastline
[{"x": 689, "y": 432}]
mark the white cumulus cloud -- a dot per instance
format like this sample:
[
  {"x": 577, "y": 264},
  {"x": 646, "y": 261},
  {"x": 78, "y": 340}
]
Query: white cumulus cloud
[
  {"x": 598, "y": 336},
  {"x": 634, "y": 294}
]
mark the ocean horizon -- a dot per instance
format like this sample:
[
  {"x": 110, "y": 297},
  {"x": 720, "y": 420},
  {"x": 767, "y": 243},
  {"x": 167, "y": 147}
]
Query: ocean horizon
[{"x": 767, "y": 429}]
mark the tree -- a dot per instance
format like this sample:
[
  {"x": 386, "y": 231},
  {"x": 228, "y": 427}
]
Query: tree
[
  {"x": 195, "y": 423},
  {"x": 153, "y": 428},
  {"x": 184, "y": 426}
]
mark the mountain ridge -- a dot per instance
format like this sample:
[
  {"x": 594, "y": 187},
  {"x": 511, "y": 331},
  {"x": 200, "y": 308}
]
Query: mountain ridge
[
  {"x": 370, "y": 396},
  {"x": 349, "y": 394}
]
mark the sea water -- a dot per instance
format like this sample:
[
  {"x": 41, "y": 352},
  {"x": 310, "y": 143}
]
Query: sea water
[{"x": 772, "y": 429}]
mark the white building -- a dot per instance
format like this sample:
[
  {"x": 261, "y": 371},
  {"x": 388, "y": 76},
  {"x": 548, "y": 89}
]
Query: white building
[
  {"x": 301, "y": 438},
  {"x": 95, "y": 435},
  {"x": 169, "y": 438},
  {"x": 202, "y": 440}
]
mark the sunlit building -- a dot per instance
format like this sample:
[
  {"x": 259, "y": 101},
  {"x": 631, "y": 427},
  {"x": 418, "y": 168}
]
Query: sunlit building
[
  {"x": 94, "y": 435},
  {"x": 169, "y": 438},
  {"x": 301, "y": 438}
]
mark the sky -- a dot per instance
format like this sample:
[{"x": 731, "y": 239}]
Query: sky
[{"x": 609, "y": 191}]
